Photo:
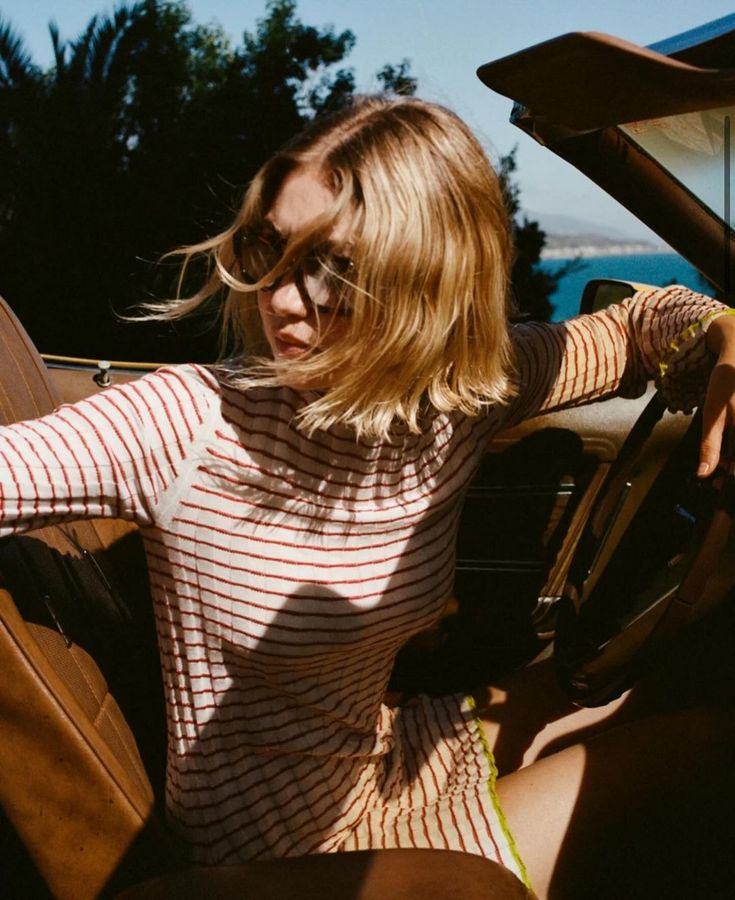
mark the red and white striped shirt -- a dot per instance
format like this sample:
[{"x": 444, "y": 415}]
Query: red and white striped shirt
[{"x": 287, "y": 571}]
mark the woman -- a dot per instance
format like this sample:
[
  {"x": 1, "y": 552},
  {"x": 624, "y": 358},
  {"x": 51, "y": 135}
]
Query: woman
[{"x": 299, "y": 507}]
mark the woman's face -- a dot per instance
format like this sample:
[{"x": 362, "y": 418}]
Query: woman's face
[{"x": 292, "y": 322}]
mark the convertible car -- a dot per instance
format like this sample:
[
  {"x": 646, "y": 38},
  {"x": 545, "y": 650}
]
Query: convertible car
[{"x": 583, "y": 535}]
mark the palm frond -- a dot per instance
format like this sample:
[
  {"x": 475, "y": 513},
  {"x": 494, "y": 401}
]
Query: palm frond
[
  {"x": 80, "y": 52},
  {"x": 109, "y": 42},
  {"x": 59, "y": 49},
  {"x": 16, "y": 65}
]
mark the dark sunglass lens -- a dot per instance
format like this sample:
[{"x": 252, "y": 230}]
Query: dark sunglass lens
[{"x": 261, "y": 251}]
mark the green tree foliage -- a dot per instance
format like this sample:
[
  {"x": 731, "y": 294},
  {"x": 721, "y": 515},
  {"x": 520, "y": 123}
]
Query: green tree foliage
[
  {"x": 140, "y": 138},
  {"x": 532, "y": 287}
]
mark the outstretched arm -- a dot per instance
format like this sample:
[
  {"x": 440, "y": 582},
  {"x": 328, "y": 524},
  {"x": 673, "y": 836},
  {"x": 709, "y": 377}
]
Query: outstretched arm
[
  {"x": 657, "y": 334},
  {"x": 110, "y": 455}
]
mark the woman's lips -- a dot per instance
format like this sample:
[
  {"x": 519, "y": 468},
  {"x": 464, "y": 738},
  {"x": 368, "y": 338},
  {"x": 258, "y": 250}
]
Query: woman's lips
[{"x": 289, "y": 346}]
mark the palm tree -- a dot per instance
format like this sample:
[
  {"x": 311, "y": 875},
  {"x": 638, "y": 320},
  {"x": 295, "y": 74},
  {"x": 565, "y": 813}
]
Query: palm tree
[
  {"x": 139, "y": 138},
  {"x": 20, "y": 82},
  {"x": 63, "y": 145}
]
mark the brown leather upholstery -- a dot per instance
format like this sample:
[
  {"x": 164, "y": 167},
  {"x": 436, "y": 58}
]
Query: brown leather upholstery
[
  {"x": 72, "y": 783},
  {"x": 71, "y": 780},
  {"x": 25, "y": 389}
]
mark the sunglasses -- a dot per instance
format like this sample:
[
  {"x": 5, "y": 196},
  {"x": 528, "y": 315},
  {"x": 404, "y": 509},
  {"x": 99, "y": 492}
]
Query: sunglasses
[{"x": 320, "y": 275}]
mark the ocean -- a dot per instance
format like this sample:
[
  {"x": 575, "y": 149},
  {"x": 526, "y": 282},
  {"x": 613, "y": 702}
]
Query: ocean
[{"x": 649, "y": 268}]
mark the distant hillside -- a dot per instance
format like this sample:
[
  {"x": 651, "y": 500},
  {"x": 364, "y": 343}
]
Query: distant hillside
[
  {"x": 562, "y": 246},
  {"x": 568, "y": 236}
]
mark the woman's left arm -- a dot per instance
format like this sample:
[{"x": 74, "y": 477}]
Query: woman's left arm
[
  {"x": 660, "y": 334},
  {"x": 719, "y": 404}
]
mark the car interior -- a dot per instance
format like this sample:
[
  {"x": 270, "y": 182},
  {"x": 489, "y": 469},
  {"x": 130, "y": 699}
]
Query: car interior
[{"x": 561, "y": 542}]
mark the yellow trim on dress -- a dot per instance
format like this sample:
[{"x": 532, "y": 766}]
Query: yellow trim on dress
[
  {"x": 494, "y": 795},
  {"x": 689, "y": 332}
]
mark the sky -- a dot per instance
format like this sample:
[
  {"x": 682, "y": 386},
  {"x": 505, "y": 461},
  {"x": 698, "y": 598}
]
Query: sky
[{"x": 445, "y": 41}]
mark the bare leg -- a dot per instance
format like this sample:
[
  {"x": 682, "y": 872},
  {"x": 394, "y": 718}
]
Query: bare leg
[
  {"x": 360, "y": 875},
  {"x": 527, "y": 716},
  {"x": 642, "y": 810},
  {"x": 629, "y": 800}
]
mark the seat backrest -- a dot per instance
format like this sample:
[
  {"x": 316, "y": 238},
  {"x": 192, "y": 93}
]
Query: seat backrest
[{"x": 72, "y": 781}]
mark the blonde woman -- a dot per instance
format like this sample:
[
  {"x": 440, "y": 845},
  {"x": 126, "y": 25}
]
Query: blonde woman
[{"x": 299, "y": 505}]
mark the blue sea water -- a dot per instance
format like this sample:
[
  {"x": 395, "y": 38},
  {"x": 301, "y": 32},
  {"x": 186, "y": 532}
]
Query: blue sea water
[{"x": 649, "y": 268}]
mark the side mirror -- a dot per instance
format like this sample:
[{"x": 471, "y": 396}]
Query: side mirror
[{"x": 600, "y": 293}]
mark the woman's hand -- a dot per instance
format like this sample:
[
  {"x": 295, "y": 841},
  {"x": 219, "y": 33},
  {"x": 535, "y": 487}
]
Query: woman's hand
[{"x": 719, "y": 404}]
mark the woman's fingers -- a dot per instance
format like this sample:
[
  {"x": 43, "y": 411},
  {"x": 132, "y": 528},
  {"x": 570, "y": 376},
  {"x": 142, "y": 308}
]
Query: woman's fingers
[{"x": 718, "y": 416}]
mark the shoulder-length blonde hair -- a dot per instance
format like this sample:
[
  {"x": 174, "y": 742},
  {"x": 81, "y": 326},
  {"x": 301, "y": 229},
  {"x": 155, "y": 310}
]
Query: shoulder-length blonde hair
[{"x": 429, "y": 240}]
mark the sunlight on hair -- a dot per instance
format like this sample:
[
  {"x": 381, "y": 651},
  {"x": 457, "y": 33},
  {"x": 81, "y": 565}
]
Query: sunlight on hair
[{"x": 429, "y": 238}]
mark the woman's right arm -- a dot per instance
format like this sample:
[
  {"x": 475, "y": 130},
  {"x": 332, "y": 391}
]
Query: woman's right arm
[{"x": 110, "y": 455}]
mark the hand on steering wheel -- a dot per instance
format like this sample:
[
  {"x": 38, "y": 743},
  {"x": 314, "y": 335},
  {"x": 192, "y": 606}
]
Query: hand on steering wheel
[{"x": 719, "y": 405}]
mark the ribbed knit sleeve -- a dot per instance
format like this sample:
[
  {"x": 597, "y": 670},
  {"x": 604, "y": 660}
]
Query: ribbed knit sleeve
[
  {"x": 110, "y": 455},
  {"x": 657, "y": 334}
]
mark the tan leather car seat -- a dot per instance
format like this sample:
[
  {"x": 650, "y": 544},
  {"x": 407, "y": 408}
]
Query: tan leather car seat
[{"x": 72, "y": 782}]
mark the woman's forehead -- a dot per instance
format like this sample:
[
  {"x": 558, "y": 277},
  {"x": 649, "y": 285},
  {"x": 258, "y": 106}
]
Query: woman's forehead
[{"x": 301, "y": 199}]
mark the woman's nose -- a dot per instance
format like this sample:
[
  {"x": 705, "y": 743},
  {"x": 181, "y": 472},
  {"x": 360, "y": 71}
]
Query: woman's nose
[{"x": 286, "y": 300}]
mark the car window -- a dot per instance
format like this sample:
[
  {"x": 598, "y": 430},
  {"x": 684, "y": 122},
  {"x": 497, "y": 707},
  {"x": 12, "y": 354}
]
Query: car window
[{"x": 695, "y": 149}]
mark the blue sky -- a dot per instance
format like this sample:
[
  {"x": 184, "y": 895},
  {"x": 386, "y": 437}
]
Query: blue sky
[{"x": 445, "y": 40}]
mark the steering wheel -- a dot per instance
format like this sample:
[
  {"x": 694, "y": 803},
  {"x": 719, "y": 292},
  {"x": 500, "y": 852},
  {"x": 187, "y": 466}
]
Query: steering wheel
[{"x": 625, "y": 604}]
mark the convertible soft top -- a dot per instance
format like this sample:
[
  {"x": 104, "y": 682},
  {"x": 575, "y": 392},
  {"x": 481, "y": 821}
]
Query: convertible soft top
[{"x": 587, "y": 81}]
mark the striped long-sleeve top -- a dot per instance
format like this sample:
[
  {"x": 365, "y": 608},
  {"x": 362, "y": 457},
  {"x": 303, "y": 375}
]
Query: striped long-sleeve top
[{"x": 287, "y": 570}]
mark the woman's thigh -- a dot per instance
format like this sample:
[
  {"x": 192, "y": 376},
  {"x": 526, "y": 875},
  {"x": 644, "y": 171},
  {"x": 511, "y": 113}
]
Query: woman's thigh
[{"x": 639, "y": 810}]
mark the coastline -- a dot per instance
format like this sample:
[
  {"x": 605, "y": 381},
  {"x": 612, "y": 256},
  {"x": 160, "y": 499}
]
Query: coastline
[{"x": 590, "y": 250}]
